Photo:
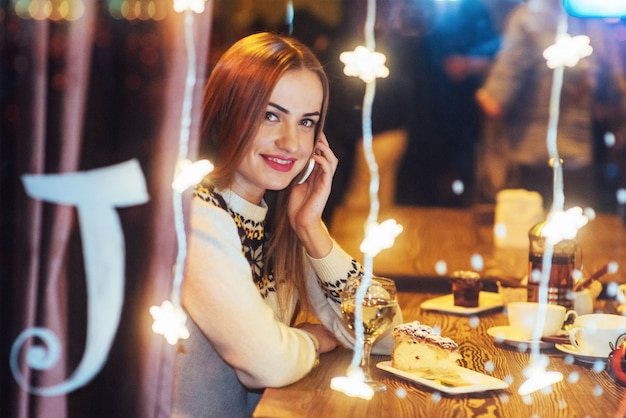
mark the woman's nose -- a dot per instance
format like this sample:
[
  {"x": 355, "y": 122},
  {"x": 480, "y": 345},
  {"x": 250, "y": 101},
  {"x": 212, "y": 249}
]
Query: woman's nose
[{"x": 288, "y": 139}]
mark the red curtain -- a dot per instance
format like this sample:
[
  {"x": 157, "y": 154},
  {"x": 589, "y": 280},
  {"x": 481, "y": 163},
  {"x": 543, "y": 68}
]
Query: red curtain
[{"x": 79, "y": 95}]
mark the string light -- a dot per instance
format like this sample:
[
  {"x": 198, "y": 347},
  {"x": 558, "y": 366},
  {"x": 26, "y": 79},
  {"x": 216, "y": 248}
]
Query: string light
[
  {"x": 189, "y": 5},
  {"x": 567, "y": 51},
  {"x": 55, "y": 10},
  {"x": 169, "y": 321},
  {"x": 170, "y": 318},
  {"x": 190, "y": 173},
  {"x": 560, "y": 225},
  {"x": 380, "y": 236},
  {"x": 368, "y": 65},
  {"x": 364, "y": 64},
  {"x": 563, "y": 225}
]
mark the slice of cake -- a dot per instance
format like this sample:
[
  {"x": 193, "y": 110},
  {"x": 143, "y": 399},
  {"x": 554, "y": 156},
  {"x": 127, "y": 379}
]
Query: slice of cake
[{"x": 420, "y": 351}]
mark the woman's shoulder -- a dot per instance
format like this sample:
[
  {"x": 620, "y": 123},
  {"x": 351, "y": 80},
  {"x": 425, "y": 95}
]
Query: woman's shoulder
[{"x": 210, "y": 196}]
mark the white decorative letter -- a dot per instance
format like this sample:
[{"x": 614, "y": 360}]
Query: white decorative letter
[{"x": 95, "y": 194}]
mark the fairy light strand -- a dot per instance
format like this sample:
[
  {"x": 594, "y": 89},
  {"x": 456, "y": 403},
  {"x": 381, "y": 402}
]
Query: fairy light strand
[
  {"x": 366, "y": 64},
  {"x": 185, "y": 123},
  {"x": 558, "y": 56},
  {"x": 169, "y": 318},
  {"x": 535, "y": 370}
]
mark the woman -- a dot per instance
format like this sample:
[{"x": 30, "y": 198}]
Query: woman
[{"x": 258, "y": 246}]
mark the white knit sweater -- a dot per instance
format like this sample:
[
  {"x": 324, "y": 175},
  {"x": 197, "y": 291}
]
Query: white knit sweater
[{"x": 239, "y": 313}]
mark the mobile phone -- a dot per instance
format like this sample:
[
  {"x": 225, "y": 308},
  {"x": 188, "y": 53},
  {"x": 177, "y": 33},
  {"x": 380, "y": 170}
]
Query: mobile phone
[{"x": 308, "y": 171}]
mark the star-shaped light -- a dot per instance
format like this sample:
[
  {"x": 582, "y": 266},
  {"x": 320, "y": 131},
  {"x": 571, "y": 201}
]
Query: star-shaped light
[
  {"x": 353, "y": 384},
  {"x": 380, "y": 236},
  {"x": 567, "y": 51},
  {"x": 190, "y": 173},
  {"x": 537, "y": 377},
  {"x": 364, "y": 63},
  {"x": 563, "y": 225},
  {"x": 193, "y": 5},
  {"x": 169, "y": 321}
]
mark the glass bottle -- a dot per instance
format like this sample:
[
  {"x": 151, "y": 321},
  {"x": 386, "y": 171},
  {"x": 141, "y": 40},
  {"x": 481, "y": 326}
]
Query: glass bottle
[{"x": 564, "y": 262}]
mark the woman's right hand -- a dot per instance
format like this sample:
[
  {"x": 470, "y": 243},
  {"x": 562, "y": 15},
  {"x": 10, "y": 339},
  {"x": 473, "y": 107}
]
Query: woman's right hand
[
  {"x": 488, "y": 103},
  {"x": 327, "y": 341}
]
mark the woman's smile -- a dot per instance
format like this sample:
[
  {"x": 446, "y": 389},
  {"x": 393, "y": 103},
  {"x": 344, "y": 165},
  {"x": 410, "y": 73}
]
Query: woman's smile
[{"x": 282, "y": 164}]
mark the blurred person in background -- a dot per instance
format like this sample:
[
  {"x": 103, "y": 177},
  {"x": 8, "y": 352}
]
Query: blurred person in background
[{"x": 516, "y": 97}]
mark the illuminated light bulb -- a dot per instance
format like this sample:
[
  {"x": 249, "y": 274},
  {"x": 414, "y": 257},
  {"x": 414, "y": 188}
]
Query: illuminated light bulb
[
  {"x": 612, "y": 291},
  {"x": 609, "y": 139},
  {"x": 620, "y": 195},
  {"x": 353, "y": 384},
  {"x": 577, "y": 274},
  {"x": 590, "y": 213},
  {"x": 193, "y": 5},
  {"x": 401, "y": 393},
  {"x": 458, "y": 187},
  {"x": 477, "y": 262},
  {"x": 380, "y": 236},
  {"x": 573, "y": 377},
  {"x": 500, "y": 230},
  {"x": 539, "y": 381},
  {"x": 474, "y": 321},
  {"x": 169, "y": 321},
  {"x": 535, "y": 274},
  {"x": 567, "y": 51},
  {"x": 613, "y": 267},
  {"x": 441, "y": 267},
  {"x": 563, "y": 225},
  {"x": 364, "y": 63},
  {"x": 190, "y": 174}
]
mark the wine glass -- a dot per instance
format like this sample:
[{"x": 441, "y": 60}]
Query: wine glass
[{"x": 379, "y": 308}]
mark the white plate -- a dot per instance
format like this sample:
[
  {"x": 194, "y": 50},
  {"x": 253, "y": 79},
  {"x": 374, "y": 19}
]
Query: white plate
[
  {"x": 582, "y": 357},
  {"x": 505, "y": 334},
  {"x": 486, "y": 302},
  {"x": 478, "y": 382}
]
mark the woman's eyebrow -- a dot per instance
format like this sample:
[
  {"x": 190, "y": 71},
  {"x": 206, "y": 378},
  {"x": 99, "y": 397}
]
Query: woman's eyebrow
[{"x": 283, "y": 110}]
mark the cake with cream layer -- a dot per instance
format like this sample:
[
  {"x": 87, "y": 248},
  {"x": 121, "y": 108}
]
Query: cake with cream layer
[{"x": 418, "y": 348}]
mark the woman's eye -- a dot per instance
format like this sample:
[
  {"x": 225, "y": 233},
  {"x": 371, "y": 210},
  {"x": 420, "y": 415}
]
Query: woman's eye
[
  {"x": 271, "y": 116},
  {"x": 308, "y": 123}
]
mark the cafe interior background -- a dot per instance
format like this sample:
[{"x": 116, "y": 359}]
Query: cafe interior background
[{"x": 101, "y": 90}]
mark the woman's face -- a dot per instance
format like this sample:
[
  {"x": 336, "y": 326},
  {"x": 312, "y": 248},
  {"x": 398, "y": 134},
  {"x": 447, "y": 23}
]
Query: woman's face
[{"x": 284, "y": 142}]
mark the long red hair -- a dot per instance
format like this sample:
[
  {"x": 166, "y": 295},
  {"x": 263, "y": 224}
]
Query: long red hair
[{"x": 236, "y": 97}]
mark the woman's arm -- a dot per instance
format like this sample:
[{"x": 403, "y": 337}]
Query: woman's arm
[
  {"x": 222, "y": 299},
  {"x": 326, "y": 279}
]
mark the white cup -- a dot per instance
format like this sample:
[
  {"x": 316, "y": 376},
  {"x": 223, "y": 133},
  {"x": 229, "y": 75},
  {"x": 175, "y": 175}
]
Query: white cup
[
  {"x": 525, "y": 317},
  {"x": 592, "y": 333},
  {"x": 583, "y": 302}
]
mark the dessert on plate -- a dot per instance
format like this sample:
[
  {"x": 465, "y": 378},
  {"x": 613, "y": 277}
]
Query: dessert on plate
[
  {"x": 466, "y": 287},
  {"x": 419, "y": 350}
]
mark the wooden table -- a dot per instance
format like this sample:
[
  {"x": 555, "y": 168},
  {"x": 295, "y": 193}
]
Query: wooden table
[
  {"x": 456, "y": 236},
  {"x": 584, "y": 392}
]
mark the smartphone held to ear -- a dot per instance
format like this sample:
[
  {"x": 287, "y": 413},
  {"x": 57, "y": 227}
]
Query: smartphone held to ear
[{"x": 308, "y": 171}]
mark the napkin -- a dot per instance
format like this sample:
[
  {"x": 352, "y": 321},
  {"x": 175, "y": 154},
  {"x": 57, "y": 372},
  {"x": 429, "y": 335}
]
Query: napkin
[{"x": 517, "y": 210}]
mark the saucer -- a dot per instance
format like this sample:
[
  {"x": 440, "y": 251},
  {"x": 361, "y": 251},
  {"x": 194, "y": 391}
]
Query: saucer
[
  {"x": 507, "y": 335},
  {"x": 580, "y": 356},
  {"x": 487, "y": 301}
]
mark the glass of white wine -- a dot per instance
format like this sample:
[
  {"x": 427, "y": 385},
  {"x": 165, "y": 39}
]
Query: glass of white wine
[{"x": 379, "y": 307}]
